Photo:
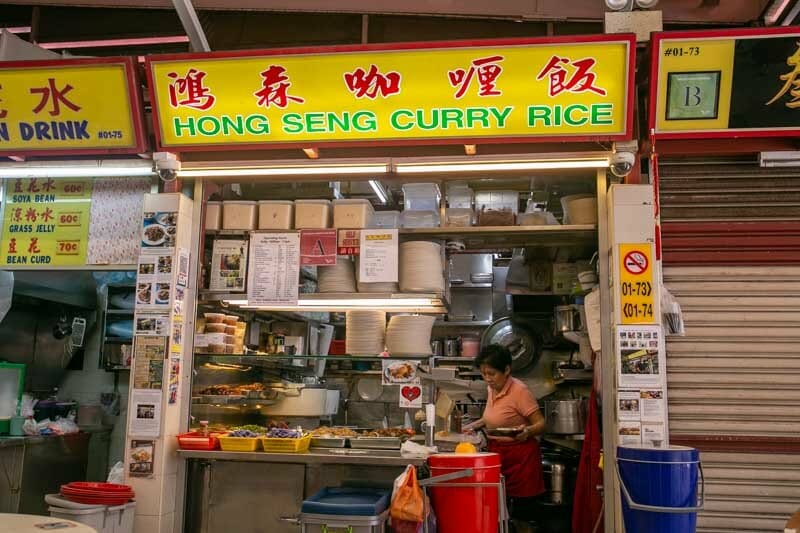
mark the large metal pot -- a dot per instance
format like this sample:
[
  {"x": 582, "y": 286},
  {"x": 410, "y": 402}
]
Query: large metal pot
[{"x": 565, "y": 417}]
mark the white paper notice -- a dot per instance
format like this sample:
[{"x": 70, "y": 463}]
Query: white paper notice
[
  {"x": 653, "y": 435},
  {"x": 146, "y": 413},
  {"x": 652, "y": 405},
  {"x": 378, "y": 259},
  {"x": 228, "y": 263},
  {"x": 628, "y": 405},
  {"x": 274, "y": 269},
  {"x": 641, "y": 361}
]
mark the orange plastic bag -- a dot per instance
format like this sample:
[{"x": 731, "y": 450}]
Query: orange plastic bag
[{"x": 408, "y": 502}]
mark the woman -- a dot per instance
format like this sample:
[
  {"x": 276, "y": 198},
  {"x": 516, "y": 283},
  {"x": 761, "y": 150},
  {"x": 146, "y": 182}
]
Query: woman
[{"x": 510, "y": 404}]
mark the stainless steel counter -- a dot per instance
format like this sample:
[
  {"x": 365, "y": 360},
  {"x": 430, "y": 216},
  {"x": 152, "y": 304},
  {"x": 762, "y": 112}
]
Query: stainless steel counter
[
  {"x": 231, "y": 487},
  {"x": 316, "y": 456},
  {"x": 8, "y": 442}
]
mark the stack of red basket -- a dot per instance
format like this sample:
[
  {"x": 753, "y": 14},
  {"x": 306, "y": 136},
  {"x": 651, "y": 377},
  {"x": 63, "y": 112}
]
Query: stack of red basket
[{"x": 89, "y": 493}]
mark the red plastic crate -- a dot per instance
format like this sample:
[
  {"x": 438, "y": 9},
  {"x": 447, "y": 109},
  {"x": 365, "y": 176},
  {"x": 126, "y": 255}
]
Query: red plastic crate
[{"x": 198, "y": 441}]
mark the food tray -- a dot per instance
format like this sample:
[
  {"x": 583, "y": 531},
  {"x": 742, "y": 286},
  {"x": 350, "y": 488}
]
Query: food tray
[
  {"x": 198, "y": 441},
  {"x": 328, "y": 442},
  {"x": 275, "y": 445},
  {"x": 376, "y": 443},
  {"x": 238, "y": 444}
]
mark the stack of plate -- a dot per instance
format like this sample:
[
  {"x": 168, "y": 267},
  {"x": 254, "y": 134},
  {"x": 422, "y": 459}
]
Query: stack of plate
[
  {"x": 421, "y": 267},
  {"x": 90, "y": 493},
  {"x": 337, "y": 278},
  {"x": 365, "y": 332},
  {"x": 409, "y": 334}
]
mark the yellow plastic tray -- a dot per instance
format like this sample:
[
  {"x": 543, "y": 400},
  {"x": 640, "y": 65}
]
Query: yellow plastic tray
[
  {"x": 286, "y": 445},
  {"x": 238, "y": 444}
]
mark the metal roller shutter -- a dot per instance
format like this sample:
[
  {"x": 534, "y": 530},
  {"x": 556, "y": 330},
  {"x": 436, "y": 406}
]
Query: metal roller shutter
[{"x": 731, "y": 253}]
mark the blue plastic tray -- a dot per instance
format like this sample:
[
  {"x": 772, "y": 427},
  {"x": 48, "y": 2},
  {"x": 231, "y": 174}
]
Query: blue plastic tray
[{"x": 347, "y": 502}]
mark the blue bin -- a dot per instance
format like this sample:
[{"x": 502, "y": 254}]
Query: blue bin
[
  {"x": 347, "y": 501},
  {"x": 659, "y": 488}
]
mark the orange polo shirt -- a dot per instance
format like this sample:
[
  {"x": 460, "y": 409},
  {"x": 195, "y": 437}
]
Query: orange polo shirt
[{"x": 511, "y": 407}]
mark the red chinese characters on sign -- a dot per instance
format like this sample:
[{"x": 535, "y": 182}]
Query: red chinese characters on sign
[
  {"x": 12, "y": 245},
  {"x": 582, "y": 78},
  {"x": 372, "y": 83},
  {"x": 33, "y": 247},
  {"x": 189, "y": 91},
  {"x": 51, "y": 93},
  {"x": 275, "y": 88},
  {"x": 486, "y": 69}
]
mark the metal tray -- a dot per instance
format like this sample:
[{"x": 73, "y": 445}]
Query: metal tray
[
  {"x": 376, "y": 443},
  {"x": 328, "y": 442}
]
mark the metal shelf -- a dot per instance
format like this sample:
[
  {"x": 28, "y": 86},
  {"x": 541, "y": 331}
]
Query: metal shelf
[
  {"x": 393, "y": 302},
  {"x": 250, "y": 359},
  {"x": 122, "y": 312},
  {"x": 462, "y": 323},
  {"x": 117, "y": 368},
  {"x": 504, "y": 237}
]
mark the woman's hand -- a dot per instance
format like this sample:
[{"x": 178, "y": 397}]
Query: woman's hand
[
  {"x": 473, "y": 426},
  {"x": 525, "y": 433}
]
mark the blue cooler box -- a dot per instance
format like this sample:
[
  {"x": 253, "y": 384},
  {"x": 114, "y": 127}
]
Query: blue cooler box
[{"x": 345, "y": 510}]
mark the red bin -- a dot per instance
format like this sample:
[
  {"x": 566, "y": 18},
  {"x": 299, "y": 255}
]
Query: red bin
[{"x": 465, "y": 509}]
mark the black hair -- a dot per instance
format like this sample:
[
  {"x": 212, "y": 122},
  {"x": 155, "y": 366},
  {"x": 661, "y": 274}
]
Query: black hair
[{"x": 496, "y": 356}]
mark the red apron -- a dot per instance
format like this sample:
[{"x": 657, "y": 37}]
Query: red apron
[{"x": 521, "y": 464}]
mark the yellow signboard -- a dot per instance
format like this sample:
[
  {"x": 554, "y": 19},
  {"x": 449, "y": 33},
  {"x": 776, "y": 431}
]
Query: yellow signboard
[
  {"x": 575, "y": 88},
  {"x": 636, "y": 285},
  {"x": 728, "y": 83},
  {"x": 46, "y": 222},
  {"x": 86, "y": 106}
]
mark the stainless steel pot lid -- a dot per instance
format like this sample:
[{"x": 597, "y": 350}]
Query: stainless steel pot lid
[{"x": 518, "y": 339}]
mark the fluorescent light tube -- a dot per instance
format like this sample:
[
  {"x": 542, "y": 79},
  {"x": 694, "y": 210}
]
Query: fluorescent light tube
[
  {"x": 283, "y": 171},
  {"x": 426, "y": 168},
  {"x": 75, "y": 171},
  {"x": 380, "y": 192}
]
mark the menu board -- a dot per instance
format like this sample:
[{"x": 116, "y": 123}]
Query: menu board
[
  {"x": 46, "y": 222},
  {"x": 379, "y": 256},
  {"x": 274, "y": 269}
]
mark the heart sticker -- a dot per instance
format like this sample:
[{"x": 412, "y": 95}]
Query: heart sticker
[{"x": 411, "y": 393}]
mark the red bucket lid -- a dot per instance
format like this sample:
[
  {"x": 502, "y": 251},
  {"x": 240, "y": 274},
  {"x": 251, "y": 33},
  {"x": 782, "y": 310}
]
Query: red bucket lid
[{"x": 464, "y": 460}]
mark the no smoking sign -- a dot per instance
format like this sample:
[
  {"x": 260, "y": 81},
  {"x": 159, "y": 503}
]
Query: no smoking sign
[
  {"x": 636, "y": 262},
  {"x": 636, "y": 289}
]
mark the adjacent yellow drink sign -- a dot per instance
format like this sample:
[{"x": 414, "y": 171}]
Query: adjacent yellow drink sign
[
  {"x": 637, "y": 300},
  {"x": 530, "y": 90},
  {"x": 82, "y": 106},
  {"x": 46, "y": 222}
]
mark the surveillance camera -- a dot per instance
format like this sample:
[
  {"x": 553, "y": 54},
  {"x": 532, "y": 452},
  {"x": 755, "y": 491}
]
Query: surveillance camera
[
  {"x": 622, "y": 163},
  {"x": 167, "y": 168}
]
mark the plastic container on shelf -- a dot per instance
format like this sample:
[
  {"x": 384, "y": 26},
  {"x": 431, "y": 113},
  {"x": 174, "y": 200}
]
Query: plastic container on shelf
[
  {"x": 238, "y": 444},
  {"x": 419, "y": 219},
  {"x": 421, "y": 197},
  {"x": 312, "y": 214},
  {"x": 458, "y": 217},
  {"x": 275, "y": 214},
  {"x": 213, "y": 215},
  {"x": 385, "y": 219},
  {"x": 197, "y": 441},
  {"x": 459, "y": 196},
  {"x": 274, "y": 445},
  {"x": 497, "y": 200},
  {"x": 353, "y": 213},
  {"x": 239, "y": 214}
]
